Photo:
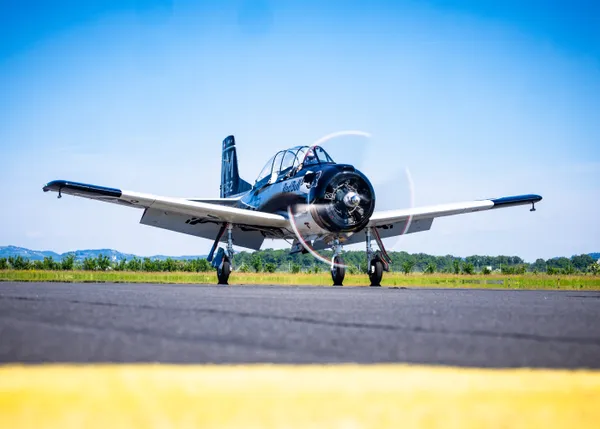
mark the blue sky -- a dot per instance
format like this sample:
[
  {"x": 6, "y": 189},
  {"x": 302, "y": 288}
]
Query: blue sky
[{"x": 478, "y": 99}]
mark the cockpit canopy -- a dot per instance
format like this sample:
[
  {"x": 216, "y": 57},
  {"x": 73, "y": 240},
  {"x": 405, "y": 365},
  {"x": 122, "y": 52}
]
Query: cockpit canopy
[{"x": 294, "y": 159}]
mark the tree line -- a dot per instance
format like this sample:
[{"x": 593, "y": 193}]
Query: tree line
[
  {"x": 281, "y": 260},
  {"x": 270, "y": 260},
  {"x": 104, "y": 263}
]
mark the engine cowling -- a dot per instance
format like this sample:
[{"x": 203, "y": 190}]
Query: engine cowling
[{"x": 343, "y": 200}]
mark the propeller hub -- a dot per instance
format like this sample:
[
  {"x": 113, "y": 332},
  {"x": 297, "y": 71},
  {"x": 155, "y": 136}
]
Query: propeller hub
[{"x": 351, "y": 199}]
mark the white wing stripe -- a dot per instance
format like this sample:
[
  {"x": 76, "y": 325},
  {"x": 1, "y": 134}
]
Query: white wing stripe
[
  {"x": 192, "y": 208},
  {"x": 393, "y": 216}
]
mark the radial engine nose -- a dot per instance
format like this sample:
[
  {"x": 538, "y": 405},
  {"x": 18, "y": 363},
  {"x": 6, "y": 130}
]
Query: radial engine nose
[{"x": 343, "y": 201}]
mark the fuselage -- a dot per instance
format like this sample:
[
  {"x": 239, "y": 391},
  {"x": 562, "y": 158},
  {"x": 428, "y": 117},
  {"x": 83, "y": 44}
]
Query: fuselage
[{"x": 326, "y": 198}]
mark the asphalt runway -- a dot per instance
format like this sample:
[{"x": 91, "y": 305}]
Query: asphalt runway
[{"x": 59, "y": 322}]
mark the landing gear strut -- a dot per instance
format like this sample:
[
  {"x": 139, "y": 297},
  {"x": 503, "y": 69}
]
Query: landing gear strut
[
  {"x": 377, "y": 262},
  {"x": 222, "y": 262},
  {"x": 338, "y": 271}
]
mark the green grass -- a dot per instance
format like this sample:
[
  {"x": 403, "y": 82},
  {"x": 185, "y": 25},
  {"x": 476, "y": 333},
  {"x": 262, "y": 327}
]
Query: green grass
[{"x": 527, "y": 281}]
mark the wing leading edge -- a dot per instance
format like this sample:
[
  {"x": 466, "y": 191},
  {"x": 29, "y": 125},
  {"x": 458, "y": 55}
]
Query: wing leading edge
[
  {"x": 389, "y": 217},
  {"x": 209, "y": 211}
]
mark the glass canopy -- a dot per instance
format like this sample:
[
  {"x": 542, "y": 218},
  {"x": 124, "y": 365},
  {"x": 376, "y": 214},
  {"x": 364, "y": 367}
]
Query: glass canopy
[{"x": 294, "y": 159}]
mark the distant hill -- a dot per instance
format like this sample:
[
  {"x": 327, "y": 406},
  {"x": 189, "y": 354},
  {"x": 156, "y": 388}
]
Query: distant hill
[
  {"x": 34, "y": 255},
  {"x": 80, "y": 255},
  {"x": 38, "y": 255}
]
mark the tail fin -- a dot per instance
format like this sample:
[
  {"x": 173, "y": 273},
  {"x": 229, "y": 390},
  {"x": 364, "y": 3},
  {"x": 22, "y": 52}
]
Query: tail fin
[{"x": 231, "y": 183}]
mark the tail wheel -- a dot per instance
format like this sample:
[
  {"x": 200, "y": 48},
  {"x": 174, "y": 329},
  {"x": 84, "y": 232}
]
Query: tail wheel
[
  {"x": 338, "y": 272},
  {"x": 376, "y": 272},
  {"x": 223, "y": 272}
]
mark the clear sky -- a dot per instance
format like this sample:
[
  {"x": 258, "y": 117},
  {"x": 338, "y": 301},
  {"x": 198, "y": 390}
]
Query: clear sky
[{"x": 478, "y": 99}]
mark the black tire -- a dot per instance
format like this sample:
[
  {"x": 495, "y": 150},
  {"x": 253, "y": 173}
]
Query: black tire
[
  {"x": 338, "y": 273},
  {"x": 376, "y": 272},
  {"x": 223, "y": 272}
]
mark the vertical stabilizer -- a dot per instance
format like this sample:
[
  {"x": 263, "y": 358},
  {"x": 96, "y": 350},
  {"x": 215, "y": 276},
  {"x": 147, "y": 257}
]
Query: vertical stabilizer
[{"x": 231, "y": 183}]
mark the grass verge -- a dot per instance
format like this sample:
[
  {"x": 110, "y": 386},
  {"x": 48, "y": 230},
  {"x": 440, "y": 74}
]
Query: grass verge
[{"x": 527, "y": 281}]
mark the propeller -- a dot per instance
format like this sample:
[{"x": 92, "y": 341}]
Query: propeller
[
  {"x": 346, "y": 200},
  {"x": 394, "y": 187}
]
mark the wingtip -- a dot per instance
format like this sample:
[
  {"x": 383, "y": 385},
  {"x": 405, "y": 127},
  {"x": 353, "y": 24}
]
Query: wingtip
[
  {"x": 68, "y": 187},
  {"x": 53, "y": 185},
  {"x": 516, "y": 200}
]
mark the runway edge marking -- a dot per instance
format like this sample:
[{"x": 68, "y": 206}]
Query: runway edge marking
[{"x": 280, "y": 396}]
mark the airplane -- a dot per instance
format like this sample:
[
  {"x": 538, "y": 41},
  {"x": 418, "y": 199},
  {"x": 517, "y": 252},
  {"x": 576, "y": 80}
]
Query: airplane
[{"x": 301, "y": 194}]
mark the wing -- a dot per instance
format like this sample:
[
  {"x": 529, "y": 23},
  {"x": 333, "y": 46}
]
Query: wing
[
  {"x": 202, "y": 219},
  {"x": 392, "y": 223},
  {"x": 406, "y": 221}
]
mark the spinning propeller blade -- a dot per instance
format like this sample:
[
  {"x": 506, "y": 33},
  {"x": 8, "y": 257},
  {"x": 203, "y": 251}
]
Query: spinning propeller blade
[{"x": 343, "y": 145}]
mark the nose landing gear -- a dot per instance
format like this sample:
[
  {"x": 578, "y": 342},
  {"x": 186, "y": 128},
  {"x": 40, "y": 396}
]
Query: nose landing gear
[{"x": 338, "y": 270}]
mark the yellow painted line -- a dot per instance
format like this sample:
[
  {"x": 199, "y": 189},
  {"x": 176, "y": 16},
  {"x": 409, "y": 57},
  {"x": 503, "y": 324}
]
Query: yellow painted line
[{"x": 274, "y": 396}]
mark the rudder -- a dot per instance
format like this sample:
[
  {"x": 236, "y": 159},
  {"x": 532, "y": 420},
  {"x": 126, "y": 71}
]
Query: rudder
[{"x": 231, "y": 183}]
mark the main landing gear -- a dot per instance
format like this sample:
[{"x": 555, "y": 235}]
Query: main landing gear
[
  {"x": 222, "y": 261},
  {"x": 377, "y": 262}
]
